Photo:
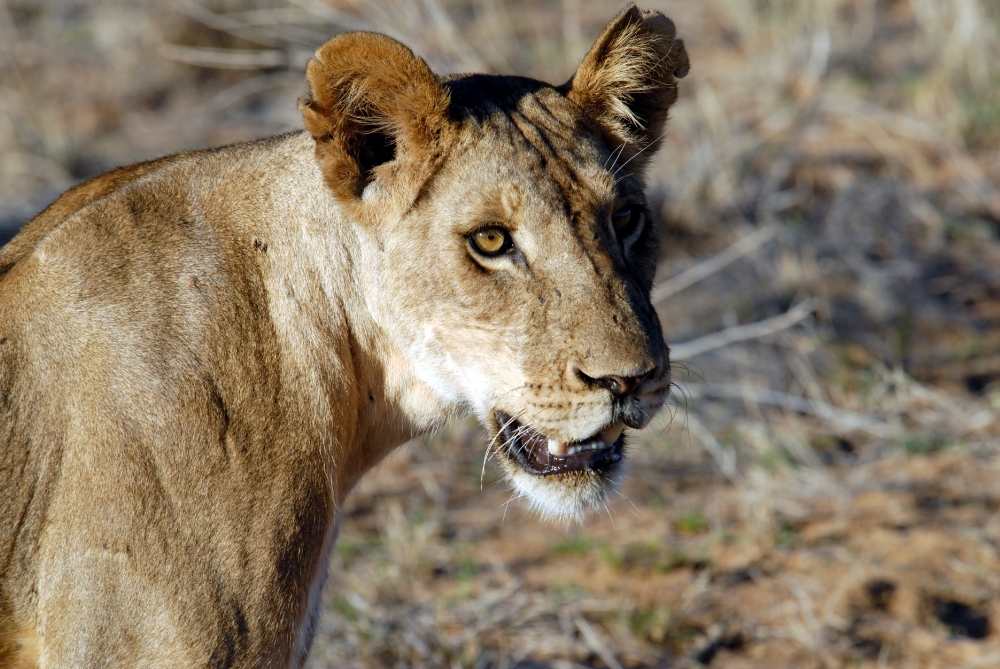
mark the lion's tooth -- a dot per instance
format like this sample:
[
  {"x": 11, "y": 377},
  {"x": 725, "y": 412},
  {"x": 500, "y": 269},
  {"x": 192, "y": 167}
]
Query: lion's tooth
[
  {"x": 556, "y": 447},
  {"x": 610, "y": 434}
]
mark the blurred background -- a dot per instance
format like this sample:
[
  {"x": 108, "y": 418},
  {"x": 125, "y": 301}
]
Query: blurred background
[{"x": 823, "y": 491}]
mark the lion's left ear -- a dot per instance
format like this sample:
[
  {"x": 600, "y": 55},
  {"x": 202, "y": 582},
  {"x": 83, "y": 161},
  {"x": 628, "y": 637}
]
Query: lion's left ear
[{"x": 627, "y": 83}]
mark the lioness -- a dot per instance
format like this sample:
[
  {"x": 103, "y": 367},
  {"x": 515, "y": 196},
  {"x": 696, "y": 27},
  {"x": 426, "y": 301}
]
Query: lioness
[{"x": 201, "y": 355}]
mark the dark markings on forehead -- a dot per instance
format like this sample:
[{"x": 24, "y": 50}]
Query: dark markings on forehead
[{"x": 537, "y": 117}]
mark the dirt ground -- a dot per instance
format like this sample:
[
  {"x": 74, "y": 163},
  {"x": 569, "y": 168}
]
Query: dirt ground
[{"x": 824, "y": 490}]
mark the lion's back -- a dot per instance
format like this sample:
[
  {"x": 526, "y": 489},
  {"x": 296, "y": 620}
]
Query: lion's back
[{"x": 71, "y": 202}]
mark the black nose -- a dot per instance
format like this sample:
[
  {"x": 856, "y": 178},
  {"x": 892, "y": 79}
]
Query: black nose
[{"x": 620, "y": 386}]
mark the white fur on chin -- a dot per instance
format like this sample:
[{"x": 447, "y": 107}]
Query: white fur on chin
[{"x": 564, "y": 498}]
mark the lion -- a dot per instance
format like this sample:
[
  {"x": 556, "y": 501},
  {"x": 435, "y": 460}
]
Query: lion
[{"x": 201, "y": 355}]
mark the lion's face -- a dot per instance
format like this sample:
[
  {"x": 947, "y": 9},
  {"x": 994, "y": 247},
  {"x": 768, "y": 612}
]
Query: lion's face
[
  {"x": 524, "y": 292},
  {"x": 515, "y": 275}
]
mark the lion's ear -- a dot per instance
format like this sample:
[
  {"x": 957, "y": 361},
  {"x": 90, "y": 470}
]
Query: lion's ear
[
  {"x": 627, "y": 83},
  {"x": 375, "y": 110}
]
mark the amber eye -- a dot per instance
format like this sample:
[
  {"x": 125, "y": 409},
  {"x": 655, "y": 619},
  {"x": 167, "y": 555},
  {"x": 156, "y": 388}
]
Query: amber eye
[
  {"x": 491, "y": 242},
  {"x": 627, "y": 221}
]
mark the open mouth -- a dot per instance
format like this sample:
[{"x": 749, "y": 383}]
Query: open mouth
[{"x": 540, "y": 455}]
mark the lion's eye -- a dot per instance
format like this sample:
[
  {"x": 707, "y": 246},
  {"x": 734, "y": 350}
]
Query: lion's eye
[
  {"x": 626, "y": 221},
  {"x": 491, "y": 242}
]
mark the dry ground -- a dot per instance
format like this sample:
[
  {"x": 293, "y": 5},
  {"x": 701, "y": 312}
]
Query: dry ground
[{"x": 825, "y": 491}]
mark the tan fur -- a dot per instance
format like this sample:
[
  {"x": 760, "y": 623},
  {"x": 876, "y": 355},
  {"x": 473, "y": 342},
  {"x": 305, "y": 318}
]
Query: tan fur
[
  {"x": 201, "y": 355},
  {"x": 18, "y": 647}
]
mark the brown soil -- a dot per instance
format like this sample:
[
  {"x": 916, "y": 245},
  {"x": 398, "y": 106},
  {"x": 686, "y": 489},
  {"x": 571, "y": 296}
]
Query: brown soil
[{"x": 880, "y": 558}]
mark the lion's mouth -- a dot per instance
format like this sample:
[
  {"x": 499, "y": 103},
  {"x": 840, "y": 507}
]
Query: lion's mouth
[{"x": 543, "y": 456}]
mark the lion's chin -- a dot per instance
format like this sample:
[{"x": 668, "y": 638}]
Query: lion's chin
[
  {"x": 565, "y": 497},
  {"x": 561, "y": 481}
]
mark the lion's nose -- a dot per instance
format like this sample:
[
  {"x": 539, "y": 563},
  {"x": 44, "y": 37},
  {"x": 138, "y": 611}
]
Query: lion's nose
[{"x": 620, "y": 386}]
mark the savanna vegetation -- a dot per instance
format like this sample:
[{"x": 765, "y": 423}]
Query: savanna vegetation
[{"x": 824, "y": 491}]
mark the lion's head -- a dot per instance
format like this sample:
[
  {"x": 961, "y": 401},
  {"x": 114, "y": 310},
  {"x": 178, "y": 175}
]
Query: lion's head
[{"x": 505, "y": 241}]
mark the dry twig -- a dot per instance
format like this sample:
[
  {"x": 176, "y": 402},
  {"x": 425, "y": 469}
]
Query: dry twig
[
  {"x": 714, "y": 264},
  {"x": 845, "y": 420},
  {"x": 229, "y": 59},
  {"x": 689, "y": 349},
  {"x": 595, "y": 643}
]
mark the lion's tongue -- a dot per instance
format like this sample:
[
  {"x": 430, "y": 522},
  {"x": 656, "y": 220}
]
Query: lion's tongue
[{"x": 609, "y": 436}]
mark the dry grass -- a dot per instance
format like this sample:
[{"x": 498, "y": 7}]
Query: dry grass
[{"x": 824, "y": 492}]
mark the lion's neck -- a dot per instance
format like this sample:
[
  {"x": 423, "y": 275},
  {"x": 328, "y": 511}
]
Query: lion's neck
[{"x": 362, "y": 384}]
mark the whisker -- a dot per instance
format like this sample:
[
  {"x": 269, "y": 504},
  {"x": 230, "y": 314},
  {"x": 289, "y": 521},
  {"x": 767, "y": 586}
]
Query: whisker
[
  {"x": 522, "y": 430},
  {"x": 608, "y": 509},
  {"x": 614, "y": 156},
  {"x": 514, "y": 495},
  {"x": 686, "y": 365},
  {"x": 482, "y": 474},
  {"x": 635, "y": 509},
  {"x": 661, "y": 135}
]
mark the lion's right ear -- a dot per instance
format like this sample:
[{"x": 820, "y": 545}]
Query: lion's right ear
[
  {"x": 627, "y": 82},
  {"x": 376, "y": 111}
]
